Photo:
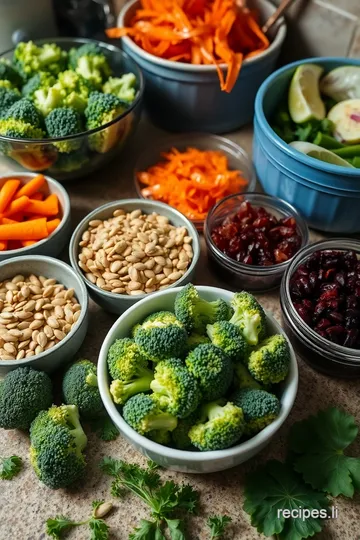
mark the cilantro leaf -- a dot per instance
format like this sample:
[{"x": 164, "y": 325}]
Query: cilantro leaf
[
  {"x": 105, "y": 429},
  {"x": 320, "y": 442},
  {"x": 217, "y": 526},
  {"x": 273, "y": 487},
  {"x": 58, "y": 525},
  {"x": 10, "y": 467},
  {"x": 147, "y": 530},
  {"x": 176, "y": 529},
  {"x": 99, "y": 529},
  {"x": 111, "y": 466}
]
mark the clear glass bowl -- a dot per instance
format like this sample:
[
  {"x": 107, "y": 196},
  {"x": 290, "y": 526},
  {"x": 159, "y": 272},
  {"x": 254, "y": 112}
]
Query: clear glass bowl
[
  {"x": 246, "y": 276},
  {"x": 236, "y": 155},
  {"x": 320, "y": 353},
  {"x": 41, "y": 155}
]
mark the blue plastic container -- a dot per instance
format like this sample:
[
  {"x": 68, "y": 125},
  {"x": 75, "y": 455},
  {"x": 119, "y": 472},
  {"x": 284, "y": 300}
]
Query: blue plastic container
[
  {"x": 328, "y": 196},
  {"x": 186, "y": 97}
]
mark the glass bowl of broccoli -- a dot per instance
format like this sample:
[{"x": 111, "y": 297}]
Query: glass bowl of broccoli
[
  {"x": 68, "y": 105},
  {"x": 198, "y": 379}
]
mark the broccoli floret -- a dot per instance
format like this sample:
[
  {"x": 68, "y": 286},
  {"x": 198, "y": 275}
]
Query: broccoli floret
[
  {"x": 260, "y": 408},
  {"x": 175, "y": 389},
  {"x": 101, "y": 109},
  {"x": 213, "y": 370},
  {"x": 269, "y": 362},
  {"x": 24, "y": 111},
  {"x": 180, "y": 435},
  {"x": 75, "y": 89},
  {"x": 126, "y": 360},
  {"x": 196, "y": 339},
  {"x": 161, "y": 336},
  {"x": 64, "y": 122},
  {"x": 220, "y": 426},
  {"x": 47, "y": 99},
  {"x": 80, "y": 388},
  {"x": 195, "y": 312},
  {"x": 121, "y": 391},
  {"x": 243, "y": 379},
  {"x": 9, "y": 73},
  {"x": 29, "y": 59},
  {"x": 57, "y": 442},
  {"x": 90, "y": 62},
  {"x": 144, "y": 415},
  {"x": 160, "y": 436},
  {"x": 4, "y": 83},
  {"x": 122, "y": 87},
  {"x": 19, "y": 130},
  {"x": 24, "y": 392},
  {"x": 7, "y": 98},
  {"x": 70, "y": 162},
  {"x": 40, "y": 80},
  {"x": 229, "y": 338},
  {"x": 249, "y": 316}
]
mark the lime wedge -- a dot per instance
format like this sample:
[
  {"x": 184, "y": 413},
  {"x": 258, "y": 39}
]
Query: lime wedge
[
  {"x": 317, "y": 152},
  {"x": 346, "y": 119},
  {"x": 305, "y": 102},
  {"x": 342, "y": 83}
]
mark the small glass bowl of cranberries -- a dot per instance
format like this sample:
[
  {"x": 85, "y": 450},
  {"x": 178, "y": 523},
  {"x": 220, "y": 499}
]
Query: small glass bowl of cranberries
[
  {"x": 251, "y": 239},
  {"x": 320, "y": 302}
]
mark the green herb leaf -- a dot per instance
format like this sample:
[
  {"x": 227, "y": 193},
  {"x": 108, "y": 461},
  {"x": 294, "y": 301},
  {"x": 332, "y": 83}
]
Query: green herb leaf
[
  {"x": 320, "y": 442},
  {"x": 99, "y": 529},
  {"x": 111, "y": 466},
  {"x": 10, "y": 467},
  {"x": 152, "y": 466},
  {"x": 105, "y": 429},
  {"x": 147, "y": 530},
  {"x": 58, "y": 525},
  {"x": 176, "y": 529},
  {"x": 274, "y": 487},
  {"x": 217, "y": 526}
]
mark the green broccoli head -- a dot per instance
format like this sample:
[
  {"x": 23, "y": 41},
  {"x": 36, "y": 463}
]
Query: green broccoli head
[
  {"x": 213, "y": 370},
  {"x": 80, "y": 388},
  {"x": 40, "y": 80},
  {"x": 57, "y": 442},
  {"x": 90, "y": 62},
  {"x": 195, "y": 312},
  {"x": 196, "y": 339},
  {"x": 220, "y": 426},
  {"x": 260, "y": 408},
  {"x": 126, "y": 360},
  {"x": 4, "y": 83},
  {"x": 24, "y": 393},
  {"x": 229, "y": 338},
  {"x": 160, "y": 436},
  {"x": 269, "y": 363},
  {"x": 64, "y": 122},
  {"x": 249, "y": 316},
  {"x": 7, "y": 98},
  {"x": 29, "y": 58},
  {"x": 144, "y": 415},
  {"x": 19, "y": 130},
  {"x": 24, "y": 111},
  {"x": 123, "y": 87},
  {"x": 76, "y": 90},
  {"x": 9, "y": 73},
  {"x": 180, "y": 435},
  {"x": 102, "y": 109},
  {"x": 47, "y": 99},
  {"x": 161, "y": 336},
  {"x": 175, "y": 389},
  {"x": 243, "y": 379}
]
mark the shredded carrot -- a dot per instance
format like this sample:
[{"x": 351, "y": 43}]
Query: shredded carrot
[
  {"x": 7, "y": 193},
  {"x": 191, "y": 181},
  {"x": 198, "y": 32},
  {"x": 27, "y": 230},
  {"x": 31, "y": 187}
]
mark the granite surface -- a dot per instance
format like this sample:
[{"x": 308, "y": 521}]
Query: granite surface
[{"x": 25, "y": 504}]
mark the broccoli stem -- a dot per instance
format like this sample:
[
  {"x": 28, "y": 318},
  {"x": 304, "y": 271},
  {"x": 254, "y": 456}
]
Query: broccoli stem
[
  {"x": 76, "y": 428},
  {"x": 161, "y": 421},
  {"x": 91, "y": 380}
]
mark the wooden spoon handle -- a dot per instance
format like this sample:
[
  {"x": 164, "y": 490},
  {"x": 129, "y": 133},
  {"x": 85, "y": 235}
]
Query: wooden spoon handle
[{"x": 275, "y": 16}]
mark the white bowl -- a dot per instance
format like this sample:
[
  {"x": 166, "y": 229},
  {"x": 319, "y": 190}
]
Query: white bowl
[
  {"x": 53, "y": 244},
  {"x": 181, "y": 460}
]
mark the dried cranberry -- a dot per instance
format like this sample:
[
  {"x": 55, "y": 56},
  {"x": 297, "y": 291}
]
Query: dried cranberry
[{"x": 323, "y": 324}]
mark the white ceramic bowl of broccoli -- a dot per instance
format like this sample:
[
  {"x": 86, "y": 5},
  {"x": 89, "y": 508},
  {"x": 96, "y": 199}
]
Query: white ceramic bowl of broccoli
[{"x": 191, "y": 461}]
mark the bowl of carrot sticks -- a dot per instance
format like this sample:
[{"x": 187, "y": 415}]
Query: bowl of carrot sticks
[
  {"x": 203, "y": 60},
  {"x": 34, "y": 215},
  {"x": 193, "y": 172}
]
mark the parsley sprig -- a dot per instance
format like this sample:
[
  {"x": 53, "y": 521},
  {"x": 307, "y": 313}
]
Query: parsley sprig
[
  {"x": 99, "y": 530},
  {"x": 10, "y": 467},
  {"x": 217, "y": 526},
  {"x": 164, "y": 499}
]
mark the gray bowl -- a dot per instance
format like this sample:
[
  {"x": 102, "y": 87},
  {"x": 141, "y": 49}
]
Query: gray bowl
[
  {"x": 118, "y": 303},
  {"x": 64, "y": 351},
  {"x": 53, "y": 244}
]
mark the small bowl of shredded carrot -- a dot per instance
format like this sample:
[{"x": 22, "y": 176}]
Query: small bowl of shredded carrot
[
  {"x": 192, "y": 172},
  {"x": 34, "y": 215},
  {"x": 203, "y": 60}
]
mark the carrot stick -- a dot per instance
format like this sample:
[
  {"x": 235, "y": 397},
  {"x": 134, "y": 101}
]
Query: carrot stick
[
  {"x": 31, "y": 187},
  {"x": 7, "y": 193},
  {"x": 17, "y": 205},
  {"x": 7, "y": 221},
  {"x": 19, "y": 216},
  {"x": 28, "y": 243},
  {"x": 27, "y": 230},
  {"x": 37, "y": 196},
  {"x": 49, "y": 207},
  {"x": 3, "y": 245},
  {"x": 52, "y": 225}
]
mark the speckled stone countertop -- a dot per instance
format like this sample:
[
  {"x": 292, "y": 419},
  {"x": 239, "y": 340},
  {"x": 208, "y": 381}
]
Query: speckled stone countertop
[{"x": 25, "y": 504}]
